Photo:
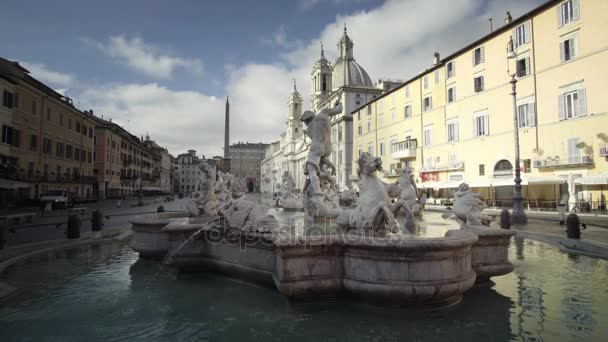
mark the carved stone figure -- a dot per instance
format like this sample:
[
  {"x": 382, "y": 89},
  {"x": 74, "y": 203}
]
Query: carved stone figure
[
  {"x": 204, "y": 201},
  {"x": 373, "y": 212},
  {"x": 319, "y": 130},
  {"x": 289, "y": 199},
  {"x": 468, "y": 208},
  {"x": 408, "y": 194},
  {"x": 250, "y": 216}
]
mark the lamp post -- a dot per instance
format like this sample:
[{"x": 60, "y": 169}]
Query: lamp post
[{"x": 518, "y": 215}]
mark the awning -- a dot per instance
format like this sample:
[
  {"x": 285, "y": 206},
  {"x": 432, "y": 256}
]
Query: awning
[
  {"x": 479, "y": 182},
  {"x": 150, "y": 188},
  {"x": 9, "y": 184},
  {"x": 430, "y": 185},
  {"x": 505, "y": 181},
  {"x": 598, "y": 179},
  {"x": 540, "y": 180}
]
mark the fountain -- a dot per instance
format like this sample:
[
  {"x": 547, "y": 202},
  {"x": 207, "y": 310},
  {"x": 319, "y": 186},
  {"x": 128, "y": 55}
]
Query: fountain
[
  {"x": 361, "y": 251},
  {"x": 289, "y": 200}
]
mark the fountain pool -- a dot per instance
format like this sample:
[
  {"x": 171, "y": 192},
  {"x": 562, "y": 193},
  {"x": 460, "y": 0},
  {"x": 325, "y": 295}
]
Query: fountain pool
[{"x": 106, "y": 292}]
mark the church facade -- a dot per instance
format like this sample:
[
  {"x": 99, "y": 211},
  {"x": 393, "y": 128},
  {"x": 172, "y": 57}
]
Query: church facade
[{"x": 346, "y": 82}]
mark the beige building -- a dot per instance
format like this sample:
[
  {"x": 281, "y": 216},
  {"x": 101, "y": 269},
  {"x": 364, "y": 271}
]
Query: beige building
[
  {"x": 46, "y": 143},
  {"x": 124, "y": 163},
  {"x": 454, "y": 122},
  {"x": 245, "y": 163}
]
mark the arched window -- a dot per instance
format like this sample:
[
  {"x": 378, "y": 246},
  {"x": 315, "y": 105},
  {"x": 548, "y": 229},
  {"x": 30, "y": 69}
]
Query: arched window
[{"x": 503, "y": 168}]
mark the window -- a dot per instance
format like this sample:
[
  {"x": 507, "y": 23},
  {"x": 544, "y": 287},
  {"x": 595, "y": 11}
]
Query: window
[
  {"x": 78, "y": 127},
  {"x": 359, "y": 151},
  {"x": 521, "y": 34},
  {"x": 523, "y": 67},
  {"x": 452, "y": 131},
  {"x": 48, "y": 114},
  {"x": 436, "y": 76},
  {"x": 381, "y": 147},
  {"x": 369, "y": 125},
  {"x": 70, "y": 123},
  {"x": 478, "y": 84},
  {"x": 451, "y": 94},
  {"x": 525, "y": 115},
  {"x": 427, "y": 136},
  {"x": 572, "y": 104},
  {"x": 83, "y": 155},
  {"x": 68, "y": 151},
  {"x": 16, "y": 100},
  {"x": 427, "y": 103},
  {"x": 407, "y": 90},
  {"x": 370, "y": 149},
  {"x": 482, "y": 170},
  {"x": 392, "y": 115},
  {"x": 59, "y": 149},
  {"x": 10, "y": 136},
  {"x": 8, "y": 99},
  {"x": 527, "y": 165},
  {"x": 46, "y": 146},
  {"x": 76, "y": 154},
  {"x": 450, "y": 69},
  {"x": 407, "y": 111},
  {"x": 34, "y": 109},
  {"x": 393, "y": 141},
  {"x": 61, "y": 119},
  {"x": 568, "y": 49},
  {"x": 478, "y": 56},
  {"x": 33, "y": 142},
  {"x": 359, "y": 115},
  {"x": 380, "y": 121},
  {"x": 567, "y": 12},
  {"x": 574, "y": 153},
  {"x": 481, "y": 125},
  {"x": 360, "y": 130},
  {"x": 425, "y": 79},
  {"x": 369, "y": 110}
]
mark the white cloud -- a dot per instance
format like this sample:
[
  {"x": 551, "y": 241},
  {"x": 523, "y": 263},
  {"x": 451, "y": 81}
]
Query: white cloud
[
  {"x": 180, "y": 120},
  {"x": 279, "y": 39},
  {"x": 395, "y": 40},
  {"x": 53, "y": 78},
  {"x": 146, "y": 58}
]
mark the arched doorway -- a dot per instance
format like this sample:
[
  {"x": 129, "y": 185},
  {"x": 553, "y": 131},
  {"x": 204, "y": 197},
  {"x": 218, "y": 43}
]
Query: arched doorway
[
  {"x": 250, "y": 186},
  {"x": 503, "y": 169}
]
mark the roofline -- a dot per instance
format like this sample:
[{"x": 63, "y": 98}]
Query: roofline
[{"x": 515, "y": 22}]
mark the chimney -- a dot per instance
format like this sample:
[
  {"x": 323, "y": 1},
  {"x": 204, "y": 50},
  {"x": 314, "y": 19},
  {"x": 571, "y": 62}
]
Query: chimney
[
  {"x": 508, "y": 18},
  {"x": 491, "y": 27},
  {"x": 436, "y": 58}
]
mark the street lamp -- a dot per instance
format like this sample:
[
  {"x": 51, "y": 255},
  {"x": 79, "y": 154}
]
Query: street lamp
[{"x": 518, "y": 215}]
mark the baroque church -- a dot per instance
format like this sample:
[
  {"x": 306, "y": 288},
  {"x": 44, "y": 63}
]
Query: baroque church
[{"x": 347, "y": 82}]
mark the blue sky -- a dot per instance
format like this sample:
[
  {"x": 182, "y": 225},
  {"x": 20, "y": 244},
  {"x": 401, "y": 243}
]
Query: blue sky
[{"x": 164, "y": 67}]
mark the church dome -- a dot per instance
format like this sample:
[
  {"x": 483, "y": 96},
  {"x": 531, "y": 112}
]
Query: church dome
[{"x": 347, "y": 72}]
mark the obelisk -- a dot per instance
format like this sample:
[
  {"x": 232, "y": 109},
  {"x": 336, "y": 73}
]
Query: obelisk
[{"x": 226, "y": 161}]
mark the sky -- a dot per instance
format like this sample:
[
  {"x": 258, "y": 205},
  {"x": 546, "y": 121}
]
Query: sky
[{"x": 164, "y": 68}]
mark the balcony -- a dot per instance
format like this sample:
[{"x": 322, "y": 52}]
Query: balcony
[
  {"x": 568, "y": 161},
  {"x": 459, "y": 165},
  {"x": 404, "y": 149}
]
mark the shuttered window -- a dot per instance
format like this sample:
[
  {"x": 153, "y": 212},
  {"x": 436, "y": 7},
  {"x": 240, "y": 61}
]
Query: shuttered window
[{"x": 572, "y": 104}]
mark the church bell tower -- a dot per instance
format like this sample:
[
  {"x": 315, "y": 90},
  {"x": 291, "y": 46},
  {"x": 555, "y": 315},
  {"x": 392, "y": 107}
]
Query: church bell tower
[{"x": 321, "y": 81}]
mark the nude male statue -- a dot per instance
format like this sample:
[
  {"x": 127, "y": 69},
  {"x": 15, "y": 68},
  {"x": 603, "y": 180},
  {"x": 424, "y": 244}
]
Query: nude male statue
[{"x": 318, "y": 128}]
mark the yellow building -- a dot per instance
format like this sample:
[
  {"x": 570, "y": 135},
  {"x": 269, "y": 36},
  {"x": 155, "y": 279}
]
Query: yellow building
[
  {"x": 47, "y": 143},
  {"x": 454, "y": 122}
]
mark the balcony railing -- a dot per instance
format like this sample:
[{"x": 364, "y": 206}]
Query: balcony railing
[
  {"x": 459, "y": 165},
  {"x": 557, "y": 161},
  {"x": 404, "y": 149}
]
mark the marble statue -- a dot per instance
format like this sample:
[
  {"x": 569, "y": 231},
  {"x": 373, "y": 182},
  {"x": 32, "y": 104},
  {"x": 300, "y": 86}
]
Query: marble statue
[
  {"x": 318, "y": 166},
  {"x": 222, "y": 195},
  {"x": 289, "y": 199},
  {"x": 204, "y": 200},
  {"x": 249, "y": 216},
  {"x": 374, "y": 211},
  {"x": 468, "y": 208},
  {"x": 408, "y": 194}
]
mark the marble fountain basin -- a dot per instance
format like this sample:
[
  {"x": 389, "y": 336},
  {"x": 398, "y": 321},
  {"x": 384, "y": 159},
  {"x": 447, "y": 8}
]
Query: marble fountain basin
[{"x": 393, "y": 270}]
